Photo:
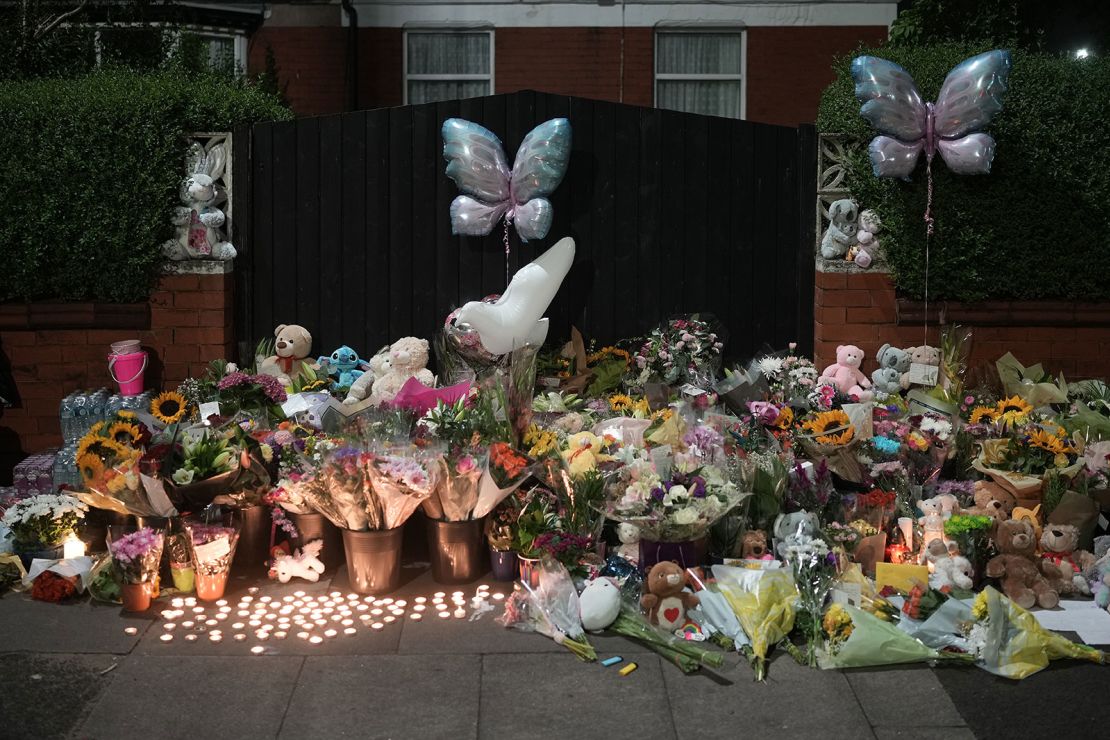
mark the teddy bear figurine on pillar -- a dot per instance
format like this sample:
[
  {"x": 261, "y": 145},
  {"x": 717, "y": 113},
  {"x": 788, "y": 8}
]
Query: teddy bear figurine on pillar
[
  {"x": 841, "y": 234},
  {"x": 200, "y": 220}
]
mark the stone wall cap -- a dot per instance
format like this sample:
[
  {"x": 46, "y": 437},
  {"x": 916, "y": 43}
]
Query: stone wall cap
[{"x": 198, "y": 267}]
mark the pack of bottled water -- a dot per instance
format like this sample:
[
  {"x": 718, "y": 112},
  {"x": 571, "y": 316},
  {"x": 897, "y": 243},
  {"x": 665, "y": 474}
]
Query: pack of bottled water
[{"x": 77, "y": 413}]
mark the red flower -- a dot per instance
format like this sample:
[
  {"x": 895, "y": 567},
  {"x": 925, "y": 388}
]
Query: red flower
[{"x": 49, "y": 586}]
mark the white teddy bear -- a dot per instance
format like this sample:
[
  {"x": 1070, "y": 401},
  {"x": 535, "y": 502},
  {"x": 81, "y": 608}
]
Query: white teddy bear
[
  {"x": 949, "y": 569},
  {"x": 199, "y": 221},
  {"x": 408, "y": 358},
  {"x": 363, "y": 386},
  {"x": 304, "y": 564}
]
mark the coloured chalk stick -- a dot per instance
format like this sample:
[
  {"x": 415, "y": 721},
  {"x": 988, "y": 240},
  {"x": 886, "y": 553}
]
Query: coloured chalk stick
[
  {"x": 628, "y": 669},
  {"x": 612, "y": 661}
]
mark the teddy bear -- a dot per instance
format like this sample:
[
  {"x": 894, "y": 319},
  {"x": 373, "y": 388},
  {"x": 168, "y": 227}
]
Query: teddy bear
[
  {"x": 599, "y": 604},
  {"x": 1061, "y": 563},
  {"x": 664, "y": 598},
  {"x": 408, "y": 358},
  {"x": 841, "y": 234},
  {"x": 890, "y": 356},
  {"x": 845, "y": 373},
  {"x": 292, "y": 344},
  {"x": 198, "y": 222},
  {"x": 923, "y": 355},
  {"x": 305, "y": 563},
  {"x": 363, "y": 386},
  {"x": 867, "y": 245},
  {"x": 949, "y": 505},
  {"x": 753, "y": 546},
  {"x": 931, "y": 519},
  {"x": 629, "y": 535},
  {"x": 949, "y": 569},
  {"x": 794, "y": 528},
  {"x": 1016, "y": 566},
  {"x": 1098, "y": 579},
  {"x": 992, "y": 500},
  {"x": 344, "y": 365},
  {"x": 886, "y": 380}
]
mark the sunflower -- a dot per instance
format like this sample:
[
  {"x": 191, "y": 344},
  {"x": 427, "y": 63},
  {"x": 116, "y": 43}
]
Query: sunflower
[
  {"x": 91, "y": 467},
  {"x": 786, "y": 418},
  {"x": 1045, "y": 441},
  {"x": 1014, "y": 410},
  {"x": 664, "y": 414},
  {"x": 124, "y": 433},
  {"x": 168, "y": 408},
  {"x": 830, "y": 427},
  {"x": 641, "y": 409},
  {"x": 125, "y": 414},
  {"x": 103, "y": 447},
  {"x": 984, "y": 415},
  {"x": 620, "y": 402}
]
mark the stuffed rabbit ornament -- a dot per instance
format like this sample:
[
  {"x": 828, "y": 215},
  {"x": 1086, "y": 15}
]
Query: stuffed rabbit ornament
[{"x": 198, "y": 222}]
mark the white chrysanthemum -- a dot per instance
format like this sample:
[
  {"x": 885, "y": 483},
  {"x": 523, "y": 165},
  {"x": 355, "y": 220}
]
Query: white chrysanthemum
[{"x": 770, "y": 367}]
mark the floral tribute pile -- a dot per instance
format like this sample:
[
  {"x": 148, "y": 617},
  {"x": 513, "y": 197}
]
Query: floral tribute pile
[{"x": 652, "y": 490}]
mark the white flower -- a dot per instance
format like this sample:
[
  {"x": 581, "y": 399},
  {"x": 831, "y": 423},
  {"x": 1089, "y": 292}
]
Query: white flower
[
  {"x": 770, "y": 367},
  {"x": 675, "y": 495},
  {"x": 689, "y": 515},
  {"x": 183, "y": 476},
  {"x": 942, "y": 428}
]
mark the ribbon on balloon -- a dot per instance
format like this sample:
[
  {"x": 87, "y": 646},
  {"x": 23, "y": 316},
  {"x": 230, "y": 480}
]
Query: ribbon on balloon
[
  {"x": 968, "y": 101},
  {"x": 491, "y": 192}
]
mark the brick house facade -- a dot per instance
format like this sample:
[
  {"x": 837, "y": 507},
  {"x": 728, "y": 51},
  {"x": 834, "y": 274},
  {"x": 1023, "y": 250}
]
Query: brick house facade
[{"x": 603, "y": 49}]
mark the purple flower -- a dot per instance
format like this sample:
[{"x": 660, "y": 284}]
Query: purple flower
[
  {"x": 271, "y": 386},
  {"x": 658, "y": 493},
  {"x": 232, "y": 379},
  {"x": 697, "y": 488}
]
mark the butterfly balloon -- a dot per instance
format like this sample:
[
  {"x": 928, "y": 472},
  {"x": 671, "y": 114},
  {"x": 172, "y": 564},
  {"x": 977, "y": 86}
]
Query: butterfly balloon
[
  {"x": 491, "y": 191},
  {"x": 968, "y": 101}
]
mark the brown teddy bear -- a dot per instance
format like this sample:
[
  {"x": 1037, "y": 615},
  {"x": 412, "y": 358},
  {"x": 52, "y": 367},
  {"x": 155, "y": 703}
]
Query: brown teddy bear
[
  {"x": 1061, "y": 563},
  {"x": 754, "y": 546},
  {"x": 664, "y": 599},
  {"x": 1016, "y": 565},
  {"x": 992, "y": 500},
  {"x": 292, "y": 344}
]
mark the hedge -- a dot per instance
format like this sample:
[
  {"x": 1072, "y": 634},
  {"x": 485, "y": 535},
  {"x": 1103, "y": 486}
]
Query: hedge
[
  {"x": 90, "y": 173},
  {"x": 1036, "y": 227}
]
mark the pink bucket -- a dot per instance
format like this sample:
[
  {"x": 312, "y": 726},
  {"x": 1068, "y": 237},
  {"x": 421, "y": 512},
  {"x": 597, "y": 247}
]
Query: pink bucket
[{"x": 127, "y": 370}]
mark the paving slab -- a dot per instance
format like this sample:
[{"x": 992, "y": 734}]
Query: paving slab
[
  {"x": 72, "y": 683},
  {"x": 917, "y": 685},
  {"x": 79, "y": 627},
  {"x": 795, "y": 701},
  {"x": 558, "y": 696},
  {"x": 194, "y": 697},
  {"x": 386, "y": 696},
  {"x": 924, "y": 733}
]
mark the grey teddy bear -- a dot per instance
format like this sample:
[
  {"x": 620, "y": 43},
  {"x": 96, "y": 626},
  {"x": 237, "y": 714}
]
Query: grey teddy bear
[{"x": 887, "y": 380}]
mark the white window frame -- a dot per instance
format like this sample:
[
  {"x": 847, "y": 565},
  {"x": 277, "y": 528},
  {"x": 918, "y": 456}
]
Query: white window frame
[
  {"x": 703, "y": 30},
  {"x": 239, "y": 39},
  {"x": 405, "y": 76}
]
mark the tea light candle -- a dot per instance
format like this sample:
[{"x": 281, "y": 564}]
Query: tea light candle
[
  {"x": 320, "y": 622},
  {"x": 191, "y": 638},
  {"x": 444, "y": 615},
  {"x": 335, "y": 594},
  {"x": 257, "y": 650},
  {"x": 350, "y": 631},
  {"x": 262, "y": 635},
  {"x": 188, "y": 624},
  {"x": 221, "y": 602},
  {"x": 211, "y": 622},
  {"x": 191, "y": 601},
  {"x": 316, "y": 639},
  {"x": 400, "y": 603},
  {"x": 347, "y": 622},
  {"x": 498, "y": 596},
  {"x": 330, "y": 633},
  {"x": 376, "y": 612},
  {"x": 198, "y": 610},
  {"x": 166, "y": 637},
  {"x": 415, "y": 616},
  {"x": 419, "y": 607},
  {"x": 265, "y": 599},
  {"x": 238, "y": 626},
  {"x": 252, "y": 590},
  {"x": 362, "y": 607},
  {"x": 215, "y": 637},
  {"x": 389, "y": 619},
  {"x": 286, "y": 598},
  {"x": 420, "y": 599},
  {"x": 168, "y": 626},
  {"x": 177, "y": 603},
  {"x": 302, "y": 635},
  {"x": 242, "y": 613},
  {"x": 298, "y": 594},
  {"x": 280, "y": 634},
  {"x": 130, "y": 630},
  {"x": 460, "y": 613},
  {"x": 365, "y": 617},
  {"x": 221, "y": 617},
  {"x": 239, "y": 637},
  {"x": 377, "y": 626}
]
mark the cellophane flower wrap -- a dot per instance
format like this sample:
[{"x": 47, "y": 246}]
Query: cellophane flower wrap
[
  {"x": 764, "y": 602},
  {"x": 550, "y": 609},
  {"x": 855, "y": 638},
  {"x": 678, "y": 351},
  {"x": 686, "y": 654},
  {"x": 814, "y": 569},
  {"x": 461, "y": 472},
  {"x": 137, "y": 555},
  {"x": 212, "y": 547},
  {"x": 401, "y": 479},
  {"x": 506, "y": 470},
  {"x": 345, "y": 480},
  {"x": 1008, "y": 641},
  {"x": 678, "y": 508}
]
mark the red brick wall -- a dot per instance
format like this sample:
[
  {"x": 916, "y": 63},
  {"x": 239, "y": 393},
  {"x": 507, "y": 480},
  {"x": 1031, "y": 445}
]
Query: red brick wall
[
  {"x": 311, "y": 65},
  {"x": 860, "y": 309},
  {"x": 191, "y": 322},
  {"x": 788, "y": 67}
]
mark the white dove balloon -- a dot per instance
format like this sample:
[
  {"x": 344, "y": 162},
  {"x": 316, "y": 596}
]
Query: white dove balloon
[{"x": 516, "y": 318}]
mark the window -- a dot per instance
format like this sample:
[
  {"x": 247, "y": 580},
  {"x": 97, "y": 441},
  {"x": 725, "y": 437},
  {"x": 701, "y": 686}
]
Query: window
[
  {"x": 700, "y": 72},
  {"x": 447, "y": 65},
  {"x": 146, "y": 47}
]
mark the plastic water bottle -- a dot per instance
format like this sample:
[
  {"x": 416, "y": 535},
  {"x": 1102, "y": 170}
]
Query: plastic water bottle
[{"x": 65, "y": 417}]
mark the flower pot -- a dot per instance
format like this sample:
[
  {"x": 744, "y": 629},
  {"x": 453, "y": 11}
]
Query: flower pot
[
  {"x": 686, "y": 554},
  {"x": 210, "y": 586},
  {"x": 318, "y": 527},
  {"x": 529, "y": 571},
  {"x": 28, "y": 553},
  {"x": 136, "y": 596},
  {"x": 255, "y": 533},
  {"x": 503, "y": 564},
  {"x": 457, "y": 550},
  {"x": 373, "y": 560}
]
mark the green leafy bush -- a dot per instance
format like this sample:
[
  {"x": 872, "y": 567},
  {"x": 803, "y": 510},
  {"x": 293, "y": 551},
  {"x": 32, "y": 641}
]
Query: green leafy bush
[
  {"x": 90, "y": 173},
  {"x": 1036, "y": 227}
]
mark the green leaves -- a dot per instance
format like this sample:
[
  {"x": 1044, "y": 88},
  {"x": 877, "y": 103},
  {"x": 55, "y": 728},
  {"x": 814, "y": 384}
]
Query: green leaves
[{"x": 91, "y": 172}]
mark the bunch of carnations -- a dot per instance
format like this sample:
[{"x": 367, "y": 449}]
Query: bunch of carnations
[
  {"x": 679, "y": 351},
  {"x": 137, "y": 555}
]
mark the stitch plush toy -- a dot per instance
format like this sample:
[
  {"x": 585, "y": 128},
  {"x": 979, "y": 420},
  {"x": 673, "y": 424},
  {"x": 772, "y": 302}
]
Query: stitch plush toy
[
  {"x": 845, "y": 373},
  {"x": 344, "y": 365},
  {"x": 198, "y": 222}
]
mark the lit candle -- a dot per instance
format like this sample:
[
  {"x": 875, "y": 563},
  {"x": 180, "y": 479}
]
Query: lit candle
[
  {"x": 286, "y": 598},
  {"x": 330, "y": 633},
  {"x": 258, "y": 650},
  {"x": 316, "y": 639},
  {"x": 347, "y": 622},
  {"x": 221, "y": 602},
  {"x": 460, "y": 613},
  {"x": 73, "y": 547},
  {"x": 178, "y": 603},
  {"x": 238, "y": 626},
  {"x": 302, "y": 635},
  {"x": 242, "y": 613},
  {"x": 262, "y": 635},
  {"x": 188, "y": 624},
  {"x": 252, "y": 590},
  {"x": 239, "y": 637},
  {"x": 191, "y": 637},
  {"x": 166, "y": 637},
  {"x": 265, "y": 599},
  {"x": 377, "y": 625},
  {"x": 350, "y": 631},
  {"x": 211, "y": 622},
  {"x": 415, "y": 616},
  {"x": 191, "y": 601},
  {"x": 376, "y": 612},
  {"x": 215, "y": 637},
  {"x": 389, "y": 619},
  {"x": 131, "y": 630},
  {"x": 298, "y": 594},
  {"x": 168, "y": 626},
  {"x": 400, "y": 603},
  {"x": 419, "y": 607},
  {"x": 335, "y": 594},
  {"x": 280, "y": 634},
  {"x": 444, "y": 615},
  {"x": 198, "y": 610},
  {"x": 498, "y": 596},
  {"x": 362, "y": 607},
  {"x": 420, "y": 599}
]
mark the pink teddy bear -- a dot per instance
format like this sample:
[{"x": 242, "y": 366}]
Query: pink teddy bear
[{"x": 845, "y": 373}]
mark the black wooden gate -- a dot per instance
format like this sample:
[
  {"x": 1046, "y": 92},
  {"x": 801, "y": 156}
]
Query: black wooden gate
[{"x": 343, "y": 223}]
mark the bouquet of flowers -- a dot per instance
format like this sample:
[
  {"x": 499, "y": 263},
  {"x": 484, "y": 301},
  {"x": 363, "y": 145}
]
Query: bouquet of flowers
[
  {"x": 679, "y": 351},
  {"x": 876, "y": 507},
  {"x": 764, "y": 604},
  {"x": 686, "y": 654},
  {"x": 212, "y": 548},
  {"x": 401, "y": 480},
  {"x": 507, "y": 469},
  {"x": 855, "y": 638},
  {"x": 341, "y": 493},
  {"x": 259, "y": 394},
  {"x": 814, "y": 493},
  {"x": 790, "y": 378},
  {"x": 456, "y": 496},
  {"x": 814, "y": 568},
  {"x": 677, "y": 509},
  {"x": 550, "y": 609},
  {"x": 137, "y": 555},
  {"x": 830, "y": 436},
  {"x": 44, "y": 520}
]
